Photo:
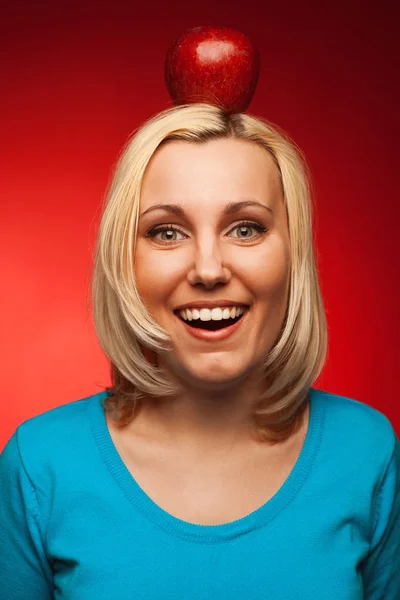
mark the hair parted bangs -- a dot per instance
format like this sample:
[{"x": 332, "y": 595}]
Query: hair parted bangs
[{"x": 126, "y": 331}]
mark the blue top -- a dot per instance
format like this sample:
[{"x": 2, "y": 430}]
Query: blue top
[{"x": 74, "y": 524}]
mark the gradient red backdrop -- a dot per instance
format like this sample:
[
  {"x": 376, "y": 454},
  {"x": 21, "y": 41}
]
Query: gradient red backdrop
[{"x": 79, "y": 77}]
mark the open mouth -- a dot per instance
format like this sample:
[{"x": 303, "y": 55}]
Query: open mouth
[{"x": 212, "y": 325}]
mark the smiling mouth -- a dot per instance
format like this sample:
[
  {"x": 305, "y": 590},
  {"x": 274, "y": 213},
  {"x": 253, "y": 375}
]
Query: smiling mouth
[{"x": 211, "y": 325}]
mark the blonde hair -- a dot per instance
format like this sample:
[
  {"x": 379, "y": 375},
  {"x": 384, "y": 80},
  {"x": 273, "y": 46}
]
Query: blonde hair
[{"x": 126, "y": 331}]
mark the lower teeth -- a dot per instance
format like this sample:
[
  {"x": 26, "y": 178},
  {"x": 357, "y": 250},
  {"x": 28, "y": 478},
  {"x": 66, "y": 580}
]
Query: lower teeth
[{"x": 212, "y": 325}]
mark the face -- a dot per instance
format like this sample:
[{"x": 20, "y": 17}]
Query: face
[{"x": 207, "y": 253}]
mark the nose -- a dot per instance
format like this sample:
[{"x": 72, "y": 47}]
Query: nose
[{"x": 208, "y": 268}]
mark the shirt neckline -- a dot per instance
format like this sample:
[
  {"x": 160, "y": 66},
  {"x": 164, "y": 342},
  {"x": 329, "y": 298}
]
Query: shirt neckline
[{"x": 207, "y": 534}]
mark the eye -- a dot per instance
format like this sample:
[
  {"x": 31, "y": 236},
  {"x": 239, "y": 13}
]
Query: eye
[
  {"x": 171, "y": 231},
  {"x": 245, "y": 226},
  {"x": 168, "y": 229}
]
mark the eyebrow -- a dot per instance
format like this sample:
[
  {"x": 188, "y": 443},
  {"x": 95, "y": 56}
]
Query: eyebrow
[{"x": 230, "y": 209}]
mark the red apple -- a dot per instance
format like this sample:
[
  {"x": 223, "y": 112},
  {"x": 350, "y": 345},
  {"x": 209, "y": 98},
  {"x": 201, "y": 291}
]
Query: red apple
[{"x": 216, "y": 65}]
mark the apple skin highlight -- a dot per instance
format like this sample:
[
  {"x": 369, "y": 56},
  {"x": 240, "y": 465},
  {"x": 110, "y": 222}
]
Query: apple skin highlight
[{"x": 214, "y": 65}]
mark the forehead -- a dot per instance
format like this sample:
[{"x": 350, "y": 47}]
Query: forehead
[{"x": 221, "y": 168}]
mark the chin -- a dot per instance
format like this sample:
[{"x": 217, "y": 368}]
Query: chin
[{"x": 210, "y": 373}]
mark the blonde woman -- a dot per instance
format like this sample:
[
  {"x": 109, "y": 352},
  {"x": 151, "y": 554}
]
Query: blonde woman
[{"x": 211, "y": 468}]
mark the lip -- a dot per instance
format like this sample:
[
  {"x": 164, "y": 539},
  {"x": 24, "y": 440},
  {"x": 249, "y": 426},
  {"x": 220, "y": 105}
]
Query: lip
[
  {"x": 214, "y": 336},
  {"x": 209, "y": 303}
]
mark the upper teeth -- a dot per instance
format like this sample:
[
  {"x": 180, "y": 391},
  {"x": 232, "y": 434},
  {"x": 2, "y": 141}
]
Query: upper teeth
[{"x": 213, "y": 314}]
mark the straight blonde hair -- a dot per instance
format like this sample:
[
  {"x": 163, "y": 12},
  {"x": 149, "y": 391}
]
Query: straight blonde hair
[{"x": 126, "y": 331}]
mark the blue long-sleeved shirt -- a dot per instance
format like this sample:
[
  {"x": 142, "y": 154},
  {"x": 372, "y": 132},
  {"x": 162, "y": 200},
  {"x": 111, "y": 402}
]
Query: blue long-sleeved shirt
[{"x": 74, "y": 524}]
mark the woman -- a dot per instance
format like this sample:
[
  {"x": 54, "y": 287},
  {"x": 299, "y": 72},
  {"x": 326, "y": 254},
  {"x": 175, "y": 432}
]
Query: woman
[{"x": 211, "y": 468}]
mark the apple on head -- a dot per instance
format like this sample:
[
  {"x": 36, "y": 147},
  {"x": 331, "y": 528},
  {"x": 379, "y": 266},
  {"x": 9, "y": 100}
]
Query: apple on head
[{"x": 215, "y": 65}]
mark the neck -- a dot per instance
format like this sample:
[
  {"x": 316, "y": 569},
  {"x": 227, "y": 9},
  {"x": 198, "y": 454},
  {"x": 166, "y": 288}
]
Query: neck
[{"x": 199, "y": 420}]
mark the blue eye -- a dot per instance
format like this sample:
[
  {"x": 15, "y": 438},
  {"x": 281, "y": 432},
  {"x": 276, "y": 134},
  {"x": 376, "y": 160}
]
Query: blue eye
[{"x": 170, "y": 229}]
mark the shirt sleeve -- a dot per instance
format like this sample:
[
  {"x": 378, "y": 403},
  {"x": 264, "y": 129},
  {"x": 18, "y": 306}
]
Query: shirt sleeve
[
  {"x": 24, "y": 569},
  {"x": 381, "y": 567}
]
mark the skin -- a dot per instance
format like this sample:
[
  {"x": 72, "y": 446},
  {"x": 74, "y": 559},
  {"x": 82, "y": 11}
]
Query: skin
[{"x": 209, "y": 258}]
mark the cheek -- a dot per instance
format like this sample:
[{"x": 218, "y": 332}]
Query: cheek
[
  {"x": 155, "y": 276},
  {"x": 268, "y": 274}
]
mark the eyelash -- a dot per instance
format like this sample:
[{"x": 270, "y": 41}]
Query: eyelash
[{"x": 159, "y": 228}]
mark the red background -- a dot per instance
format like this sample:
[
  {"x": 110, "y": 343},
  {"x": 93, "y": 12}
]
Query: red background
[{"x": 79, "y": 77}]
